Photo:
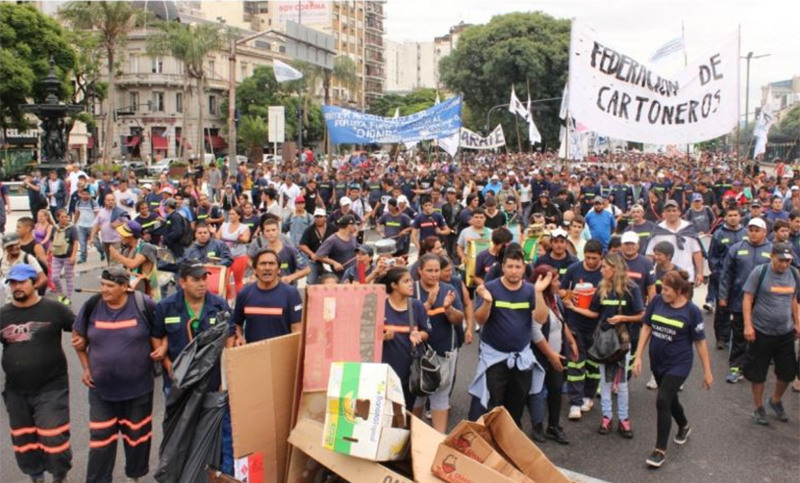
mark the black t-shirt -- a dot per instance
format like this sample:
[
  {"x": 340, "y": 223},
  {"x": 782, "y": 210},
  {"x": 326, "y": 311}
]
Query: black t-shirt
[
  {"x": 496, "y": 221},
  {"x": 33, "y": 359}
]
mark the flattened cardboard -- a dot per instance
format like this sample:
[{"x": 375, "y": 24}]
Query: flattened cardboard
[
  {"x": 261, "y": 381},
  {"x": 343, "y": 323},
  {"x": 475, "y": 441},
  {"x": 517, "y": 448},
  {"x": 365, "y": 415},
  {"x": 455, "y": 467},
  {"x": 424, "y": 442},
  {"x": 307, "y": 437},
  {"x": 250, "y": 468}
]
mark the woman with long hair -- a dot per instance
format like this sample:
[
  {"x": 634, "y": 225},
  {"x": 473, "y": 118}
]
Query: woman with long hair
[
  {"x": 236, "y": 235},
  {"x": 43, "y": 233},
  {"x": 617, "y": 301},
  {"x": 430, "y": 244},
  {"x": 400, "y": 334},
  {"x": 677, "y": 324},
  {"x": 551, "y": 339}
]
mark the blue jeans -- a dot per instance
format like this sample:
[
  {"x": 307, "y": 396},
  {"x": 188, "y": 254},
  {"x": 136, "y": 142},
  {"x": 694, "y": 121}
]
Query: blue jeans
[
  {"x": 83, "y": 239},
  {"x": 607, "y": 381}
]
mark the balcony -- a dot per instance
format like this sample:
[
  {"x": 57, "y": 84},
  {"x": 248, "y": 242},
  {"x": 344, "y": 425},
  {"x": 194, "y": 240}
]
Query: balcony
[
  {"x": 373, "y": 8},
  {"x": 149, "y": 79},
  {"x": 374, "y": 26},
  {"x": 375, "y": 59}
]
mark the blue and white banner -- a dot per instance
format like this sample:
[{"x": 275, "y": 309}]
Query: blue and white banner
[{"x": 352, "y": 127}]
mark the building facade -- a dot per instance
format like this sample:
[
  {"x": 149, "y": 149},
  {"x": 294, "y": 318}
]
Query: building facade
[
  {"x": 784, "y": 94},
  {"x": 415, "y": 65},
  {"x": 356, "y": 26}
]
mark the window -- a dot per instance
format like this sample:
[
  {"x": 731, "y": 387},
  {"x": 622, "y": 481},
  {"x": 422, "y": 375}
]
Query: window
[
  {"x": 211, "y": 68},
  {"x": 134, "y": 100},
  {"x": 178, "y": 67},
  {"x": 212, "y": 105},
  {"x": 157, "y": 65},
  {"x": 133, "y": 63},
  {"x": 158, "y": 102},
  {"x": 244, "y": 71},
  {"x": 179, "y": 102}
]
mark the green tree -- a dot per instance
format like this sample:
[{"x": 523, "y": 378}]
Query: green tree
[
  {"x": 190, "y": 44},
  {"x": 255, "y": 94},
  {"x": 344, "y": 72},
  {"x": 29, "y": 40},
  {"x": 86, "y": 73},
  {"x": 252, "y": 132},
  {"x": 113, "y": 22},
  {"x": 408, "y": 104},
  {"x": 789, "y": 125},
  {"x": 514, "y": 49}
]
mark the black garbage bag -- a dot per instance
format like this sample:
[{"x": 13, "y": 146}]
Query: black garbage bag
[
  {"x": 192, "y": 372},
  {"x": 206, "y": 447}
]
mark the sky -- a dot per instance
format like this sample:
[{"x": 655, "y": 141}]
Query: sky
[{"x": 636, "y": 27}]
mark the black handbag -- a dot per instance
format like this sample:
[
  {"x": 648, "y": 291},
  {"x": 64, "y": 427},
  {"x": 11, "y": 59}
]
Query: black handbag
[
  {"x": 426, "y": 376},
  {"x": 610, "y": 346}
]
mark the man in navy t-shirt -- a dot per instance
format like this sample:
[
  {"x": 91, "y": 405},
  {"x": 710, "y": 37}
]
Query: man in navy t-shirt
[
  {"x": 428, "y": 223},
  {"x": 505, "y": 312},
  {"x": 267, "y": 308}
]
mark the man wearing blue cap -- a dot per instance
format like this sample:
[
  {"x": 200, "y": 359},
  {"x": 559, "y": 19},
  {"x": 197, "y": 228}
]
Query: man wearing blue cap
[{"x": 36, "y": 393}]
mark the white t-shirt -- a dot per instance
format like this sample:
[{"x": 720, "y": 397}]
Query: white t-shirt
[
  {"x": 290, "y": 193},
  {"x": 126, "y": 199},
  {"x": 73, "y": 180},
  {"x": 682, "y": 258}
]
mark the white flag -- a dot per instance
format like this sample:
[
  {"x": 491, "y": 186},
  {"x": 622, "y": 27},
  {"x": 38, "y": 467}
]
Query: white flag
[
  {"x": 437, "y": 98},
  {"x": 562, "y": 113},
  {"x": 763, "y": 123},
  {"x": 673, "y": 46},
  {"x": 285, "y": 72},
  {"x": 517, "y": 107},
  {"x": 533, "y": 133},
  {"x": 450, "y": 143},
  {"x": 396, "y": 112}
]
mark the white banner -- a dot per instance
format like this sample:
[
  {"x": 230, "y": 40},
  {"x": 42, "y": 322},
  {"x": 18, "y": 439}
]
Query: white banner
[
  {"x": 276, "y": 124},
  {"x": 763, "y": 124},
  {"x": 472, "y": 140},
  {"x": 309, "y": 13},
  {"x": 612, "y": 93}
]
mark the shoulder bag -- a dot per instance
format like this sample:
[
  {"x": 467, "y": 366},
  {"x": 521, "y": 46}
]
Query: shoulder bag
[
  {"x": 426, "y": 376},
  {"x": 610, "y": 346}
]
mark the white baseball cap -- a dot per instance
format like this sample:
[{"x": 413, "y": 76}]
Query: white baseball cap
[
  {"x": 630, "y": 237},
  {"x": 344, "y": 201},
  {"x": 558, "y": 232},
  {"x": 319, "y": 212},
  {"x": 402, "y": 199},
  {"x": 757, "y": 222}
]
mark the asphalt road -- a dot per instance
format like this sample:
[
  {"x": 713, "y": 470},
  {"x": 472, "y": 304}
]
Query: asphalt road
[{"x": 725, "y": 446}]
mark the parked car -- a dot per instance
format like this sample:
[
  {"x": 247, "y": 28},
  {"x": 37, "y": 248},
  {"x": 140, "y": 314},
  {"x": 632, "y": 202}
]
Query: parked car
[
  {"x": 162, "y": 166},
  {"x": 139, "y": 168},
  {"x": 239, "y": 159},
  {"x": 271, "y": 158}
]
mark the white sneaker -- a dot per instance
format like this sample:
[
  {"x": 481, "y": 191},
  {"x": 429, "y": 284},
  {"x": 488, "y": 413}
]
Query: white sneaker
[
  {"x": 574, "y": 413},
  {"x": 652, "y": 384},
  {"x": 588, "y": 404}
]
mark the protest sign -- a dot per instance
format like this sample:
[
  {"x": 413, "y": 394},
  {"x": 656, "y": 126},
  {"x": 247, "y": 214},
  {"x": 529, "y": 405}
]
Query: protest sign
[
  {"x": 352, "y": 127},
  {"x": 615, "y": 95},
  {"x": 472, "y": 140}
]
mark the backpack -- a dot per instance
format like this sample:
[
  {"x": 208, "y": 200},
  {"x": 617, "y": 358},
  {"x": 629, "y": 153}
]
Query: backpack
[{"x": 187, "y": 236}]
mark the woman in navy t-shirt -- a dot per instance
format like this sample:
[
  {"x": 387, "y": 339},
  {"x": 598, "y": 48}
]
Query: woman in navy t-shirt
[
  {"x": 675, "y": 323},
  {"x": 399, "y": 337}
]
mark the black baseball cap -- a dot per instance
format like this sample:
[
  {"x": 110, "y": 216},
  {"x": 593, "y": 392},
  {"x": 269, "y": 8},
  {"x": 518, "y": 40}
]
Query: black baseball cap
[
  {"x": 783, "y": 251},
  {"x": 192, "y": 267},
  {"x": 346, "y": 220},
  {"x": 115, "y": 274}
]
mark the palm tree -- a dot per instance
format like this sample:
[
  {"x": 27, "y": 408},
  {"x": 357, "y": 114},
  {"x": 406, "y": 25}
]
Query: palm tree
[
  {"x": 344, "y": 72},
  {"x": 253, "y": 132},
  {"x": 190, "y": 44},
  {"x": 114, "y": 21}
]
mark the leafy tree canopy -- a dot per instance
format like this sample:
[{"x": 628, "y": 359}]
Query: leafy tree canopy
[
  {"x": 514, "y": 49},
  {"x": 29, "y": 39},
  {"x": 415, "y": 101}
]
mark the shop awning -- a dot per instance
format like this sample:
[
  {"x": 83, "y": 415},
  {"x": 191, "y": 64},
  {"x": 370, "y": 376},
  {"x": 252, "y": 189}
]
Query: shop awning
[
  {"x": 216, "y": 142},
  {"x": 133, "y": 141},
  {"x": 90, "y": 143},
  {"x": 160, "y": 143},
  {"x": 185, "y": 144}
]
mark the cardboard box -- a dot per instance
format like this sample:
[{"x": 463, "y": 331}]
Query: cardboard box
[
  {"x": 249, "y": 469},
  {"x": 343, "y": 323},
  {"x": 306, "y": 437},
  {"x": 518, "y": 449},
  {"x": 365, "y": 413},
  {"x": 262, "y": 380},
  {"x": 475, "y": 441}
]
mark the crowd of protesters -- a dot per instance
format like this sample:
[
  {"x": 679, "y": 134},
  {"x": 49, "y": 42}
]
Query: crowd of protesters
[{"x": 622, "y": 241}]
